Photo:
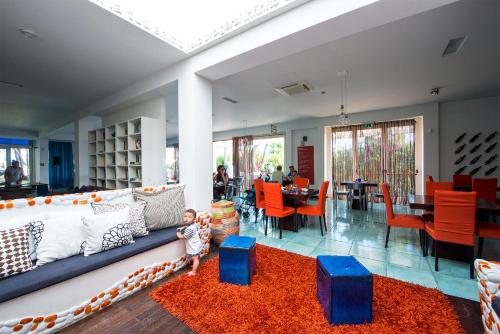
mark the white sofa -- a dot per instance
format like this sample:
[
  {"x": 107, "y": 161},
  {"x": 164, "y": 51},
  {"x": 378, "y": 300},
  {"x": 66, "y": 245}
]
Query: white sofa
[{"x": 71, "y": 289}]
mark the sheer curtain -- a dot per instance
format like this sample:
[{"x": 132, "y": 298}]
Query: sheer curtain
[
  {"x": 243, "y": 159},
  {"x": 381, "y": 152}
]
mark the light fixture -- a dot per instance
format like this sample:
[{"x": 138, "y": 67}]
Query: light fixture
[
  {"x": 343, "y": 117},
  {"x": 435, "y": 91},
  {"x": 26, "y": 32}
]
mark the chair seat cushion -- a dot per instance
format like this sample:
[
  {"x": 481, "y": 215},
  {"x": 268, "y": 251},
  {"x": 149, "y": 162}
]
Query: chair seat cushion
[
  {"x": 65, "y": 269},
  {"x": 260, "y": 204},
  {"x": 488, "y": 230},
  {"x": 309, "y": 210},
  {"x": 286, "y": 211},
  {"x": 409, "y": 221}
]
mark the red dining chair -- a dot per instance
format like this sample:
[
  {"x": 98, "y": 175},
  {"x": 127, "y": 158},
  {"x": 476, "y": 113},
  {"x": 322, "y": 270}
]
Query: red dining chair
[
  {"x": 406, "y": 221},
  {"x": 430, "y": 188},
  {"x": 486, "y": 230},
  {"x": 273, "y": 199},
  {"x": 317, "y": 210},
  {"x": 260, "y": 204},
  {"x": 301, "y": 182},
  {"x": 460, "y": 180},
  {"x": 486, "y": 188},
  {"x": 454, "y": 222}
]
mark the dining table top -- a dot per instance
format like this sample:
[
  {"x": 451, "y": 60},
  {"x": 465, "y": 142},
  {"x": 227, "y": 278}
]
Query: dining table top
[
  {"x": 483, "y": 207},
  {"x": 363, "y": 183}
]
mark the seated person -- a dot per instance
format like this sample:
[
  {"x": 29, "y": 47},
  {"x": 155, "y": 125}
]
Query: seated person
[
  {"x": 278, "y": 175},
  {"x": 14, "y": 174},
  {"x": 292, "y": 172},
  {"x": 221, "y": 177}
]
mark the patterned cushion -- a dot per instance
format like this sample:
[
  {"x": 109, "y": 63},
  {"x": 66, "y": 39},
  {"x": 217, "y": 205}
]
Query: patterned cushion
[
  {"x": 163, "y": 208},
  {"x": 14, "y": 252},
  {"x": 136, "y": 216},
  {"x": 106, "y": 231},
  {"x": 57, "y": 237}
]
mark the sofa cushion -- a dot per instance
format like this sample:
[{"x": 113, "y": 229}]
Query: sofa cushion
[
  {"x": 136, "y": 216},
  {"x": 65, "y": 269},
  {"x": 106, "y": 231},
  {"x": 14, "y": 251},
  {"x": 164, "y": 208}
]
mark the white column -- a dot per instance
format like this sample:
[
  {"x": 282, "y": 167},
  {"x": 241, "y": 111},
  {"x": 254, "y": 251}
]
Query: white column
[
  {"x": 42, "y": 160},
  {"x": 195, "y": 139},
  {"x": 81, "y": 148}
]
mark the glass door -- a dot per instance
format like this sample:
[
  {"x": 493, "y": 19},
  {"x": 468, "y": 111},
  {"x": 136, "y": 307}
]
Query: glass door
[{"x": 22, "y": 155}]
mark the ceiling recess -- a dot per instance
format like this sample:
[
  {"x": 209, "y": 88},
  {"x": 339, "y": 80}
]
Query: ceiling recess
[
  {"x": 454, "y": 45},
  {"x": 294, "y": 88}
]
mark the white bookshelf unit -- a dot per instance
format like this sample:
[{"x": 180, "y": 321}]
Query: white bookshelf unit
[{"x": 117, "y": 152}]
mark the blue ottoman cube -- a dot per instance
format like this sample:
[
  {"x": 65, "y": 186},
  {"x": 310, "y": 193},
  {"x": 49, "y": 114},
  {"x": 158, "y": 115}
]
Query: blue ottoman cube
[
  {"x": 344, "y": 289},
  {"x": 237, "y": 260}
]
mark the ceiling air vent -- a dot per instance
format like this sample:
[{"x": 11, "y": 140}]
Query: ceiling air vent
[
  {"x": 228, "y": 99},
  {"x": 294, "y": 88},
  {"x": 454, "y": 45}
]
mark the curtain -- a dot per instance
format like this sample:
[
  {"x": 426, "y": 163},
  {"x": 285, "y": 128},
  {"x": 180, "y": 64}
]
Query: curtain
[
  {"x": 243, "y": 159},
  {"x": 61, "y": 170},
  {"x": 380, "y": 152},
  {"x": 176, "y": 163}
]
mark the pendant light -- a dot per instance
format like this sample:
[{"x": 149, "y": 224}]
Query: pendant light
[{"x": 343, "y": 116}]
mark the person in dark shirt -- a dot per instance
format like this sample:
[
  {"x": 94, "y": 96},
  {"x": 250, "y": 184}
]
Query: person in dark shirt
[{"x": 221, "y": 176}]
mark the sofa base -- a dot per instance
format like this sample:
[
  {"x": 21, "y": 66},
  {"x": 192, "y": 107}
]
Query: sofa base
[{"x": 58, "y": 306}]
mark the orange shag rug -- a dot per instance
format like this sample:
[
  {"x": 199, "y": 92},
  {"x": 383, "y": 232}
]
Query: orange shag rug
[{"x": 282, "y": 299}]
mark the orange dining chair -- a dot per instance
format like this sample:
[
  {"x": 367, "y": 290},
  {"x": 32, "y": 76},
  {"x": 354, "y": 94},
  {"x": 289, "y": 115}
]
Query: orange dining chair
[
  {"x": 454, "y": 222},
  {"x": 273, "y": 199},
  {"x": 486, "y": 230},
  {"x": 460, "y": 180},
  {"x": 260, "y": 204},
  {"x": 301, "y": 182},
  {"x": 486, "y": 188},
  {"x": 430, "y": 188},
  {"x": 406, "y": 221},
  {"x": 317, "y": 210}
]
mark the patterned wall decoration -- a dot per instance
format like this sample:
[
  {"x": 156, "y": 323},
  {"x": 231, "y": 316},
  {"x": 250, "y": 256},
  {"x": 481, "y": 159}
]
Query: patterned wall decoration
[
  {"x": 489, "y": 289},
  {"x": 482, "y": 160},
  {"x": 134, "y": 282}
]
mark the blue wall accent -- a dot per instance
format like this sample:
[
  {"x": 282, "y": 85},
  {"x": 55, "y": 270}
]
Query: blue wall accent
[{"x": 61, "y": 173}]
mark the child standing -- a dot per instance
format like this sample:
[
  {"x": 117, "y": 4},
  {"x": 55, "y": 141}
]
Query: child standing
[{"x": 189, "y": 232}]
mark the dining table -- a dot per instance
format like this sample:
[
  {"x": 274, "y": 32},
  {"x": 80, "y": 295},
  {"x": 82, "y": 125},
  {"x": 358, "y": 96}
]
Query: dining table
[
  {"x": 361, "y": 191},
  {"x": 484, "y": 209}
]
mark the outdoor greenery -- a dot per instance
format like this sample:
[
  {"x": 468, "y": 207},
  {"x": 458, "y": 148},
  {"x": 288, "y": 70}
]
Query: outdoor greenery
[{"x": 267, "y": 156}]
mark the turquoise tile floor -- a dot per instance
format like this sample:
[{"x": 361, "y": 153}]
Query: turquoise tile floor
[{"x": 362, "y": 234}]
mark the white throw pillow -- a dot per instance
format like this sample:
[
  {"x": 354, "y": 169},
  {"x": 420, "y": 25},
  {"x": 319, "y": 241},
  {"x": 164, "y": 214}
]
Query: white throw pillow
[
  {"x": 106, "y": 231},
  {"x": 58, "y": 237}
]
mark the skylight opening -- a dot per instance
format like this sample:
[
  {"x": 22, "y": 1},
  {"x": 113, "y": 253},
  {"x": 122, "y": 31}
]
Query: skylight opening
[{"x": 191, "y": 24}]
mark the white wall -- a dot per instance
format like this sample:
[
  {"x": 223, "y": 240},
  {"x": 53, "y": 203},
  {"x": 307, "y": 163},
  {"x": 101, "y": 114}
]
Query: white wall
[{"x": 471, "y": 117}]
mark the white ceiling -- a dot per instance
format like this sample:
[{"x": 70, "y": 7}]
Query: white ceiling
[
  {"x": 393, "y": 65},
  {"x": 82, "y": 53}
]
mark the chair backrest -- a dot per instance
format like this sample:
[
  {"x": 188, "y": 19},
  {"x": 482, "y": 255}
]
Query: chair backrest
[
  {"x": 322, "y": 195},
  {"x": 388, "y": 202},
  {"x": 455, "y": 216},
  {"x": 460, "y": 180},
  {"x": 273, "y": 197},
  {"x": 431, "y": 187},
  {"x": 486, "y": 188},
  {"x": 429, "y": 178},
  {"x": 301, "y": 182},
  {"x": 259, "y": 188}
]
